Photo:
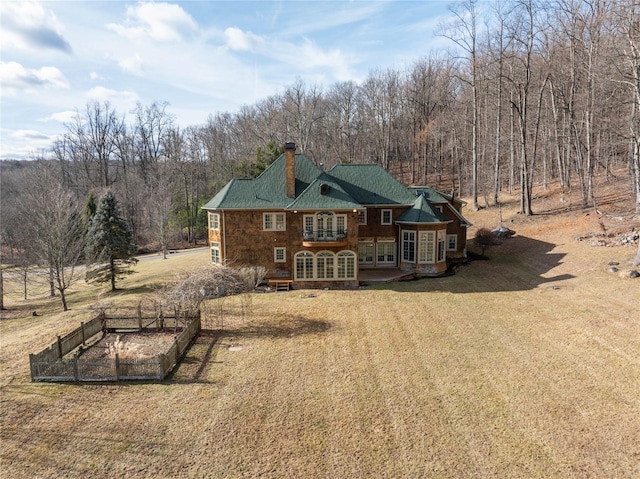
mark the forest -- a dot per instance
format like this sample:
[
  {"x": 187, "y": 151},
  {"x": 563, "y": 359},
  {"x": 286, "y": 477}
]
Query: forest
[{"x": 529, "y": 92}]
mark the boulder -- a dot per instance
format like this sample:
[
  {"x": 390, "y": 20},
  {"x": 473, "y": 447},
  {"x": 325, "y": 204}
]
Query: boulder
[{"x": 503, "y": 232}]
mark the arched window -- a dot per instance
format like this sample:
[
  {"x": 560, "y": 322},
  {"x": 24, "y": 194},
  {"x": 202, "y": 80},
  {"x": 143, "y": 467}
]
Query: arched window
[
  {"x": 325, "y": 265},
  {"x": 325, "y": 226},
  {"x": 346, "y": 265},
  {"x": 304, "y": 265}
]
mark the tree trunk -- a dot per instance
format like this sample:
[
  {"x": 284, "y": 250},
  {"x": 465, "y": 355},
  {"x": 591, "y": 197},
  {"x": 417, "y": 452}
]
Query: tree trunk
[
  {"x": 63, "y": 298},
  {"x": 1, "y": 291},
  {"x": 112, "y": 269},
  {"x": 52, "y": 288}
]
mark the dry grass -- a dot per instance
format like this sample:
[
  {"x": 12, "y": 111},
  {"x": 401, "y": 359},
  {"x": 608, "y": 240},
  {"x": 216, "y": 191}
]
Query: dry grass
[{"x": 526, "y": 365}]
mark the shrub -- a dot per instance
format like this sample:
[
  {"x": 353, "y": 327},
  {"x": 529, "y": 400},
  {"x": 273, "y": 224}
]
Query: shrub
[{"x": 485, "y": 238}]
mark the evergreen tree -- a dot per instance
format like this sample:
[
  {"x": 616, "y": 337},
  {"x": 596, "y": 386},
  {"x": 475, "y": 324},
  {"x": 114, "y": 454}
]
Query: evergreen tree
[
  {"x": 110, "y": 245},
  {"x": 89, "y": 211}
]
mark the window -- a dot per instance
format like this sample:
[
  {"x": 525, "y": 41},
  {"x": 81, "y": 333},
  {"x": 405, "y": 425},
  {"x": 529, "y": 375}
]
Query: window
[
  {"x": 280, "y": 255},
  {"x": 386, "y": 217},
  {"x": 325, "y": 226},
  {"x": 426, "y": 247},
  {"x": 215, "y": 253},
  {"x": 273, "y": 222},
  {"x": 365, "y": 253},
  {"x": 346, "y": 265},
  {"x": 309, "y": 224},
  {"x": 341, "y": 225},
  {"x": 214, "y": 221},
  {"x": 362, "y": 217},
  {"x": 409, "y": 246},
  {"x": 325, "y": 265},
  {"x": 441, "y": 252},
  {"x": 386, "y": 252},
  {"x": 452, "y": 242},
  {"x": 304, "y": 265}
]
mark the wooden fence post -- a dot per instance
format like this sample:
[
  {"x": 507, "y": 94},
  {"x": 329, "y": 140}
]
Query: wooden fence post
[
  {"x": 31, "y": 365},
  {"x": 59, "y": 348},
  {"x": 117, "y": 361},
  {"x": 161, "y": 366}
]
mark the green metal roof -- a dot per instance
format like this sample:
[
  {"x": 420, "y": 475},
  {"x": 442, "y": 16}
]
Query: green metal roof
[
  {"x": 324, "y": 193},
  {"x": 344, "y": 187},
  {"x": 268, "y": 190},
  {"x": 437, "y": 197},
  {"x": 372, "y": 185},
  {"x": 422, "y": 211},
  {"x": 431, "y": 194}
]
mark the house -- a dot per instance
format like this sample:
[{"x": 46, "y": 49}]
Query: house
[{"x": 319, "y": 228}]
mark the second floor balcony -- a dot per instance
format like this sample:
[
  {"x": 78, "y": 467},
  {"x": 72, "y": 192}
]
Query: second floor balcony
[{"x": 324, "y": 238}]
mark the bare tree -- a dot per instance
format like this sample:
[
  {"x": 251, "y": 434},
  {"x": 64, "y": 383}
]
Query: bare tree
[
  {"x": 628, "y": 20},
  {"x": 463, "y": 31},
  {"x": 53, "y": 221}
]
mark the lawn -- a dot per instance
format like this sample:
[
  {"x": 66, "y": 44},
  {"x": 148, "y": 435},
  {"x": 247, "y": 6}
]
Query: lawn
[{"x": 525, "y": 365}]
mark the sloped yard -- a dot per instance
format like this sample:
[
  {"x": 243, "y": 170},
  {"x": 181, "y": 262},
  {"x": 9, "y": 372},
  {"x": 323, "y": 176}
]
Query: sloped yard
[{"x": 526, "y": 365}]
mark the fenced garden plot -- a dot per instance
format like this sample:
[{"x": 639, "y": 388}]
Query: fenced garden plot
[{"x": 116, "y": 349}]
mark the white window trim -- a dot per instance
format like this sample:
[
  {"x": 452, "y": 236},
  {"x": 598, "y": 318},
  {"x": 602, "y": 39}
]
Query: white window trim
[
  {"x": 334, "y": 232},
  {"x": 441, "y": 238},
  {"x": 455, "y": 241},
  {"x": 382, "y": 222},
  {"x": 364, "y": 213},
  {"x": 211, "y": 221},
  {"x": 379, "y": 245},
  {"x": 434, "y": 243},
  {"x": 274, "y": 221},
  {"x": 278, "y": 249},
  {"x": 373, "y": 251},
  {"x": 415, "y": 246},
  {"x": 215, "y": 247},
  {"x": 339, "y": 266}
]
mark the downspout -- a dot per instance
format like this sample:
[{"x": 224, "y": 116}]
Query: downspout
[
  {"x": 398, "y": 247},
  {"x": 224, "y": 239}
]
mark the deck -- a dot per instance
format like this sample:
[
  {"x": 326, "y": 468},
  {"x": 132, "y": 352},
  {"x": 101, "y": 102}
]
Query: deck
[{"x": 386, "y": 275}]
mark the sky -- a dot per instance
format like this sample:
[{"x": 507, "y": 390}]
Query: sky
[{"x": 201, "y": 57}]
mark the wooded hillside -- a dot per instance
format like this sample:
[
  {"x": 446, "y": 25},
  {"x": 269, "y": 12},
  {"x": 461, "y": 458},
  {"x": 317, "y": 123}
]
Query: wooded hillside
[{"x": 530, "y": 91}]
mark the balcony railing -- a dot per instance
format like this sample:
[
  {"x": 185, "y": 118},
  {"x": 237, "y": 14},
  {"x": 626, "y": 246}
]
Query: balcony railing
[{"x": 324, "y": 236}]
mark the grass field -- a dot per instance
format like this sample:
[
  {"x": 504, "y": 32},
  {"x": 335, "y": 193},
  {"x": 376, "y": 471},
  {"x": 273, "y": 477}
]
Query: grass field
[{"x": 526, "y": 365}]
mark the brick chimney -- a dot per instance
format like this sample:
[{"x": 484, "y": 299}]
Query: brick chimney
[{"x": 290, "y": 169}]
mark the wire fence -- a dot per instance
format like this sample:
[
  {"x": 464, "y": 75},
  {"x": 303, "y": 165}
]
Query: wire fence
[{"x": 64, "y": 360}]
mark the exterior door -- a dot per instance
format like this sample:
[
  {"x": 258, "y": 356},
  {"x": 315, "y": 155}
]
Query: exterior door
[{"x": 365, "y": 252}]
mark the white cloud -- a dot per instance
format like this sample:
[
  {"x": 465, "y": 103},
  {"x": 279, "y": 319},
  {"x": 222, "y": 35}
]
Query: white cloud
[
  {"x": 132, "y": 64},
  {"x": 14, "y": 77},
  {"x": 162, "y": 22},
  {"x": 24, "y": 144},
  {"x": 27, "y": 25},
  {"x": 236, "y": 39},
  {"x": 95, "y": 76},
  {"x": 29, "y": 135},
  {"x": 122, "y": 101},
  {"x": 67, "y": 116}
]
